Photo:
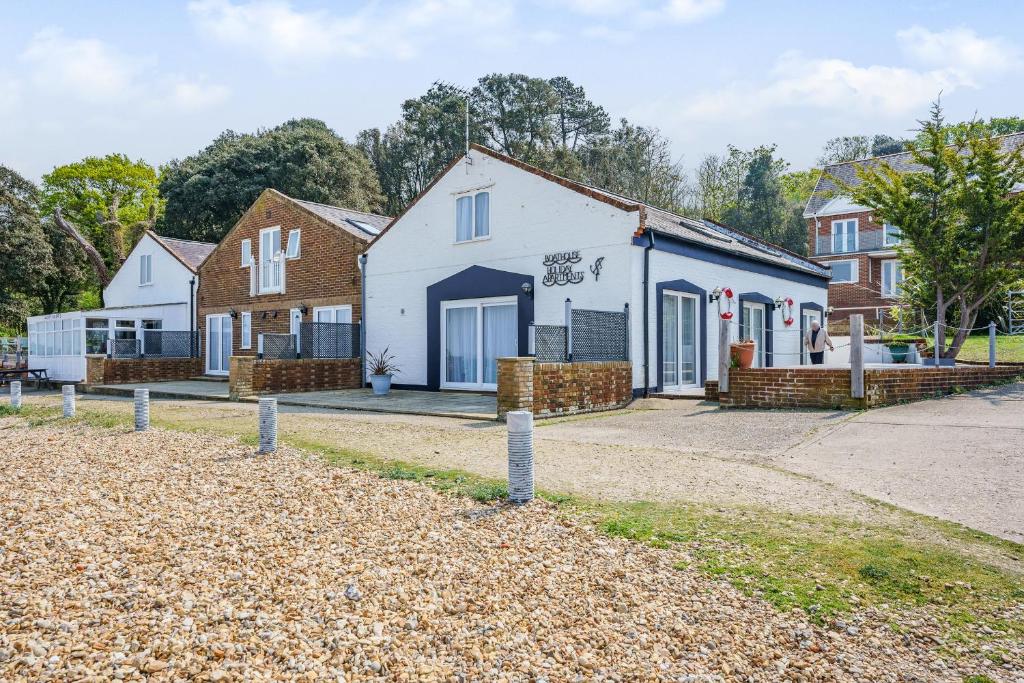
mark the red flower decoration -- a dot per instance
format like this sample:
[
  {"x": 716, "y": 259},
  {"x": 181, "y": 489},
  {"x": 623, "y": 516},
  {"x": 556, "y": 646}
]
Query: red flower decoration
[
  {"x": 788, "y": 321},
  {"x": 728, "y": 295},
  {"x": 789, "y": 301},
  {"x": 727, "y": 315}
]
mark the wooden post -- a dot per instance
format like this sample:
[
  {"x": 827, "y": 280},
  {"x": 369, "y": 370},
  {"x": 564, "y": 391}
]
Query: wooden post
[
  {"x": 857, "y": 355},
  {"x": 938, "y": 345},
  {"x": 992, "y": 344},
  {"x": 723, "y": 356}
]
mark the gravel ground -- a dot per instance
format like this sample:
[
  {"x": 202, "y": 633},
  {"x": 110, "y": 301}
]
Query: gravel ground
[{"x": 173, "y": 556}]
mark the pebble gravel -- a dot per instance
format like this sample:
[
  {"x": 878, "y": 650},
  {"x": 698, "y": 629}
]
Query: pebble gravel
[{"x": 170, "y": 556}]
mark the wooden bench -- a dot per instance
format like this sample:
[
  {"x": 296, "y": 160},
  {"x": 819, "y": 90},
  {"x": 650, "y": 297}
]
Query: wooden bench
[{"x": 39, "y": 375}]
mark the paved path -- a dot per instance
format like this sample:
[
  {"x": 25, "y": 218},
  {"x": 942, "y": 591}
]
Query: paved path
[{"x": 959, "y": 458}]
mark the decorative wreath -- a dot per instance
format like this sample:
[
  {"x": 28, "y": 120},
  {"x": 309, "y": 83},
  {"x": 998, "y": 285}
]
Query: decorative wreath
[
  {"x": 787, "y": 311},
  {"x": 727, "y": 313}
]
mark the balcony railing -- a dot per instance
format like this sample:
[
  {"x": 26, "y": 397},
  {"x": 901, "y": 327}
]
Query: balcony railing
[{"x": 866, "y": 241}]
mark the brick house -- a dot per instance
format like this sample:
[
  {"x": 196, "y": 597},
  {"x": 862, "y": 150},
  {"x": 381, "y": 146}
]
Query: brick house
[
  {"x": 285, "y": 262},
  {"x": 859, "y": 247}
]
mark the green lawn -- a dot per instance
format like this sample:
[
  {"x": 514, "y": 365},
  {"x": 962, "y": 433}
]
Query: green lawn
[{"x": 1008, "y": 349}]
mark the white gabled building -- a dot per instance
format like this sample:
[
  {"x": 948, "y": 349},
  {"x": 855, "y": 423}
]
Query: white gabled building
[
  {"x": 154, "y": 289},
  {"x": 494, "y": 245}
]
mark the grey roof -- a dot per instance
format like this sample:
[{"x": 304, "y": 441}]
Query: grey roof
[
  {"x": 191, "y": 253},
  {"x": 827, "y": 188},
  {"x": 363, "y": 225}
]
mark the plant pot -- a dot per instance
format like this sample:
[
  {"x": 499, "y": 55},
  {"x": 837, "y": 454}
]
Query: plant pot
[
  {"x": 381, "y": 384},
  {"x": 742, "y": 354},
  {"x": 899, "y": 352}
]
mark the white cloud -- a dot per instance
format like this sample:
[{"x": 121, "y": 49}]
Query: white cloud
[
  {"x": 282, "y": 34},
  {"x": 195, "y": 95},
  {"x": 646, "y": 11},
  {"x": 686, "y": 11},
  {"x": 10, "y": 92},
  {"x": 84, "y": 67},
  {"x": 947, "y": 62}
]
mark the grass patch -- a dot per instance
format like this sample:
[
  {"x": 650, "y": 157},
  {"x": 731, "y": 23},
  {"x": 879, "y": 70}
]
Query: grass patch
[
  {"x": 823, "y": 565},
  {"x": 1008, "y": 349}
]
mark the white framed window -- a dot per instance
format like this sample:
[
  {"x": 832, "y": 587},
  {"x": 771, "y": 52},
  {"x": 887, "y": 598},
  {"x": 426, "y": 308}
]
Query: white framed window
[
  {"x": 892, "y": 278},
  {"x": 891, "y": 235},
  {"x": 844, "y": 236},
  {"x": 246, "y": 253},
  {"x": 332, "y": 314},
  {"x": 246, "y": 329},
  {"x": 270, "y": 260},
  {"x": 473, "y": 217},
  {"x": 293, "y": 244},
  {"x": 145, "y": 270},
  {"x": 843, "y": 271}
]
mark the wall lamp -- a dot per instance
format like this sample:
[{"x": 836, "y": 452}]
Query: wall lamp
[
  {"x": 233, "y": 313},
  {"x": 303, "y": 308},
  {"x": 829, "y": 311},
  {"x": 715, "y": 295},
  {"x": 778, "y": 303},
  {"x": 527, "y": 288}
]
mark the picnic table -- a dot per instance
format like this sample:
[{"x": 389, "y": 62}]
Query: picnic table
[{"x": 37, "y": 374}]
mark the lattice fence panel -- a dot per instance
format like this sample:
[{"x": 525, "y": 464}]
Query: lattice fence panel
[
  {"x": 549, "y": 343},
  {"x": 169, "y": 343},
  {"x": 330, "y": 340},
  {"x": 125, "y": 348},
  {"x": 279, "y": 346},
  {"x": 599, "y": 335}
]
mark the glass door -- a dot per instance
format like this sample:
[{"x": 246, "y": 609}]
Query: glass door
[
  {"x": 218, "y": 344},
  {"x": 806, "y": 318},
  {"x": 476, "y": 334},
  {"x": 680, "y": 341},
  {"x": 753, "y": 328}
]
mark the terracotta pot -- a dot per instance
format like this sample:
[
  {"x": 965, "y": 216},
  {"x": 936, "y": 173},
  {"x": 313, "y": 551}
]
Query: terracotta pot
[{"x": 742, "y": 353}]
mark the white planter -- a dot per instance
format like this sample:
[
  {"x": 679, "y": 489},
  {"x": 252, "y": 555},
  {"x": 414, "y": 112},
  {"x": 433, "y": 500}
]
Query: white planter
[{"x": 381, "y": 384}]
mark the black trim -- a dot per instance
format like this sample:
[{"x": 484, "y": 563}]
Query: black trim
[
  {"x": 808, "y": 306},
  {"x": 475, "y": 282},
  {"x": 687, "y": 287},
  {"x": 769, "y": 317},
  {"x": 680, "y": 247}
]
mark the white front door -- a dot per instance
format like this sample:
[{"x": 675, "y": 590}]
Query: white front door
[
  {"x": 474, "y": 334},
  {"x": 806, "y": 318},
  {"x": 295, "y": 327},
  {"x": 218, "y": 344},
  {"x": 680, "y": 340},
  {"x": 753, "y": 328}
]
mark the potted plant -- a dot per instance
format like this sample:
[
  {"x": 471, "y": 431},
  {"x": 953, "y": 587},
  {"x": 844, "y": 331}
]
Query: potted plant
[
  {"x": 898, "y": 350},
  {"x": 382, "y": 368},
  {"x": 742, "y": 353}
]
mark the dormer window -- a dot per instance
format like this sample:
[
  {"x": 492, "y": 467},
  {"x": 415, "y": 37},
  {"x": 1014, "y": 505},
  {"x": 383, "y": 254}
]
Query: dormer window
[{"x": 473, "y": 217}]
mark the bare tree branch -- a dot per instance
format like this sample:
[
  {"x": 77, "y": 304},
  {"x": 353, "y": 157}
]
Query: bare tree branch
[{"x": 90, "y": 251}]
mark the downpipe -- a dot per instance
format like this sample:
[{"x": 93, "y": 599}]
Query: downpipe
[{"x": 647, "y": 320}]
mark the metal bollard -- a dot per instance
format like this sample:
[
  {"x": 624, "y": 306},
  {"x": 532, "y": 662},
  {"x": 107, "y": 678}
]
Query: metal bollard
[
  {"x": 68, "y": 391},
  {"x": 520, "y": 456},
  {"x": 268, "y": 425},
  {"x": 141, "y": 410},
  {"x": 16, "y": 394}
]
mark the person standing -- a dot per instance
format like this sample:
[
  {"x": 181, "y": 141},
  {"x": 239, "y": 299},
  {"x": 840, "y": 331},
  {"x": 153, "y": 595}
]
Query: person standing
[{"x": 815, "y": 341}]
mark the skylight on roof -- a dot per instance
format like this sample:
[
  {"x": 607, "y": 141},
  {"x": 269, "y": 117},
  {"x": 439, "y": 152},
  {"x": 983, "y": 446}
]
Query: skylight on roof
[{"x": 365, "y": 227}]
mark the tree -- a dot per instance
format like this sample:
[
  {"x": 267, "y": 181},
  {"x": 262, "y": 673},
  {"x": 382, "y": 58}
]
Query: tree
[
  {"x": 577, "y": 119},
  {"x": 25, "y": 257},
  {"x": 853, "y": 147},
  {"x": 208, "y": 192},
  {"x": 636, "y": 162},
  {"x": 962, "y": 228},
  {"x": 104, "y": 204}
]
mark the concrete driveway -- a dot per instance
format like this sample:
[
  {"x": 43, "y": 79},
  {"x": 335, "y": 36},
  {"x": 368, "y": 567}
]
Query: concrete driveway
[{"x": 959, "y": 458}]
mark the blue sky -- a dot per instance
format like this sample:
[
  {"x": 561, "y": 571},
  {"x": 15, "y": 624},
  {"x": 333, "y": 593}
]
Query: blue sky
[{"x": 158, "y": 80}]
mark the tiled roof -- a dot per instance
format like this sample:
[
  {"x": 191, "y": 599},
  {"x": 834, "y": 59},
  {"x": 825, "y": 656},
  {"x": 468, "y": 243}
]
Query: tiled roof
[
  {"x": 366, "y": 226},
  {"x": 190, "y": 253},
  {"x": 827, "y": 189}
]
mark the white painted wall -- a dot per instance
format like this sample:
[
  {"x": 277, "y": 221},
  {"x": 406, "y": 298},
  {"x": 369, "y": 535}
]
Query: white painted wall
[
  {"x": 170, "y": 283},
  {"x": 666, "y": 266},
  {"x": 529, "y": 217}
]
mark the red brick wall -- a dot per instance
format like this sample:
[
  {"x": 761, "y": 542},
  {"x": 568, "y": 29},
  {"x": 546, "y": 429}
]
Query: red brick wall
[
  {"x": 103, "y": 370},
  {"x": 325, "y": 274},
  {"x": 551, "y": 389},
  {"x": 830, "y": 387},
  {"x": 864, "y": 296},
  {"x": 249, "y": 376}
]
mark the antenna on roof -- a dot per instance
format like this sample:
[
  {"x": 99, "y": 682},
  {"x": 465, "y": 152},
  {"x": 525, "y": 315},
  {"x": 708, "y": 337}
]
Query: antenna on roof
[{"x": 465, "y": 93}]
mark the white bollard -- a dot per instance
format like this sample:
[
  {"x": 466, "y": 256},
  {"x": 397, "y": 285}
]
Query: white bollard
[
  {"x": 268, "y": 425},
  {"x": 992, "y": 344},
  {"x": 68, "y": 391},
  {"x": 141, "y": 410},
  {"x": 16, "y": 394},
  {"x": 520, "y": 456}
]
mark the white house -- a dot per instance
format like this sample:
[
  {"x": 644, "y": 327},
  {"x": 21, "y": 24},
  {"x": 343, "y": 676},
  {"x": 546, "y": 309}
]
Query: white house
[
  {"x": 153, "y": 290},
  {"x": 494, "y": 245}
]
